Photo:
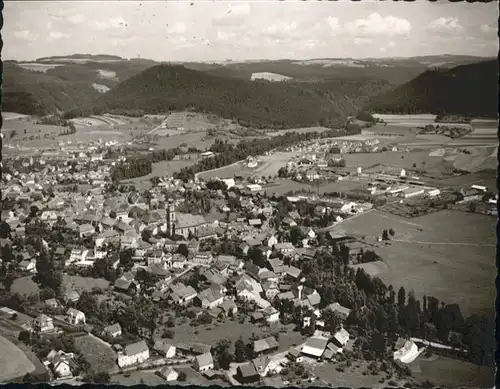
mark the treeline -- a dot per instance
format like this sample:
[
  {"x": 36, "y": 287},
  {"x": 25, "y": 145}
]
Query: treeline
[
  {"x": 253, "y": 104},
  {"x": 468, "y": 90},
  {"x": 380, "y": 314}
]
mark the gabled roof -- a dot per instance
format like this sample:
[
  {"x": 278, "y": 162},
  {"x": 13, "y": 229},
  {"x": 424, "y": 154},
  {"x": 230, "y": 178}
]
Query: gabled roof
[
  {"x": 204, "y": 359},
  {"x": 136, "y": 348},
  {"x": 265, "y": 344},
  {"x": 247, "y": 370}
]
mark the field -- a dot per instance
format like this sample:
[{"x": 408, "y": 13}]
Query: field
[
  {"x": 38, "y": 67},
  {"x": 232, "y": 331},
  {"x": 148, "y": 378},
  {"x": 99, "y": 356},
  {"x": 352, "y": 377},
  {"x": 26, "y": 286},
  {"x": 160, "y": 169},
  {"x": 13, "y": 361},
  {"x": 452, "y": 373},
  {"x": 446, "y": 254},
  {"x": 298, "y": 130}
]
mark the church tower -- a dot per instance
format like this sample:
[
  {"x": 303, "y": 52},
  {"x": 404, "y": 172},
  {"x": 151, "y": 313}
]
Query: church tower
[{"x": 170, "y": 218}]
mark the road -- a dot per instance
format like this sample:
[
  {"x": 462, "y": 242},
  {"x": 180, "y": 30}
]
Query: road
[{"x": 444, "y": 243}]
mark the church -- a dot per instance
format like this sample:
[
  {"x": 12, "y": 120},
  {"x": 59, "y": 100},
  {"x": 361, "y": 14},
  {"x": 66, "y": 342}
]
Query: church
[{"x": 183, "y": 223}]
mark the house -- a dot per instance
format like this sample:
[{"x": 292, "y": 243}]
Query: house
[
  {"x": 182, "y": 294},
  {"x": 407, "y": 352},
  {"x": 86, "y": 230},
  {"x": 133, "y": 353},
  {"x": 75, "y": 316},
  {"x": 294, "y": 354},
  {"x": 125, "y": 285},
  {"x": 204, "y": 362},
  {"x": 339, "y": 310},
  {"x": 284, "y": 248},
  {"x": 164, "y": 348},
  {"x": 43, "y": 324},
  {"x": 203, "y": 258},
  {"x": 255, "y": 222},
  {"x": 61, "y": 363},
  {"x": 28, "y": 266},
  {"x": 113, "y": 330},
  {"x": 267, "y": 345},
  {"x": 254, "y": 187},
  {"x": 264, "y": 365},
  {"x": 341, "y": 337},
  {"x": 52, "y": 303},
  {"x": 314, "y": 347},
  {"x": 71, "y": 296},
  {"x": 271, "y": 314},
  {"x": 210, "y": 298},
  {"x": 168, "y": 373},
  {"x": 229, "y": 307},
  {"x": 247, "y": 373}
]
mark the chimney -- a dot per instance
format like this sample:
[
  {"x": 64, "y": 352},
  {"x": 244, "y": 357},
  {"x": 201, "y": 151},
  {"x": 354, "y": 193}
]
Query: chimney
[{"x": 299, "y": 290}]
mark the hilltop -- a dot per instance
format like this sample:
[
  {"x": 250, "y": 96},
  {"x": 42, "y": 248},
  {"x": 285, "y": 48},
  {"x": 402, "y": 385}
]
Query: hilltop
[
  {"x": 39, "y": 88},
  {"x": 259, "y": 104},
  {"x": 470, "y": 90}
]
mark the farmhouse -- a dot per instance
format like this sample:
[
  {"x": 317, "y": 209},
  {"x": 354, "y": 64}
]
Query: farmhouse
[
  {"x": 314, "y": 347},
  {"x": 267, "y": 345},
  {"x": 406, "y": 352},
  {"x": 113, "y": 330},
  {"x": 254, "y": 187},
  {"x": 339, "y": 310},
  {"x": 43, "y": 323},
  {"x": 164, "y": 348},
  {"x": 61, "y": 363},
  {"x": 168, "y": 373},
  {"x": 75, "y": 316},
  {"x": 133, "y": 353},
  {"x": 204, "y": 362},
  {"x": 246, "y": 373}
]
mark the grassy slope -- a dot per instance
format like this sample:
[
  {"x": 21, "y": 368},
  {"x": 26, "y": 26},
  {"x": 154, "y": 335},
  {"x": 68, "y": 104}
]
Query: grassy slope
[{"x": 467, "y": 90}]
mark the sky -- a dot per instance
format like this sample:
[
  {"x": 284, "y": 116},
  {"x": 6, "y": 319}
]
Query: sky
[{"x": 204, "y": 30}]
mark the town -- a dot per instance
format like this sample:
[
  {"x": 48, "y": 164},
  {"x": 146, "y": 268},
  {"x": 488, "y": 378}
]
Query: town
[{"x": 123, "y": 281}]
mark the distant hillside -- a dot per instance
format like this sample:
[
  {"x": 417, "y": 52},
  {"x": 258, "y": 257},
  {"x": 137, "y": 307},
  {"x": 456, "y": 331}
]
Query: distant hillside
[
  {"x": 80, "y": 57},
  {"x": 464, "y": 90},
  {"x": 395, "y": 70},
  {"x": 39, "y": 88},
  {"x": 258, "y": 104}
]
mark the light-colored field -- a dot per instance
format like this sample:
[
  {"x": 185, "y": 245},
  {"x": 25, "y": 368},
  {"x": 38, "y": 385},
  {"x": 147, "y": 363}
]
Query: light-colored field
[
  {"x": 100, "y": 88},
  {"x": 13, "y": 362},
  {"x": 38, "y": 67},
  {"x": 446, "y": 254},
  {"x": 109, "y": 74},
  {"x": 13, "y": 116},
  {"x": 160, "y": 169},
  {"x": 100, "y": 357}
]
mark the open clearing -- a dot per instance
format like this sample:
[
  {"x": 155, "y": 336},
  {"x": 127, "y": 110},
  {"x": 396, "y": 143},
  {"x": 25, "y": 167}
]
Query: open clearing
[
  {"x": 26, "y": 286},
  {"x": 232, "y": 331},
  {"x": 440, "y": 267},
  {"x": 100, "y": 357},
  {"x": 13, "y": 361},
  {"x": 452, "y": 373},
  {"x": 38, "y": 67},
  {"x": 160, "y": 169}
]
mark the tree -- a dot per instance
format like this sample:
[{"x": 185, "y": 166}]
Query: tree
[
  {"x": 47, "y": 275},
  {"x": 391, "y": 232},
  {"x": 296, "y": 235},
  {"x": 183, "y": 249},
  {"x": 472, "y": 207},
  {"x": 182, "y": 376},
  {"x": 401, "y": 298},
  {"x": 385, "y": 235},
  {"x": 222, "y": 355},
  {"x": 239, "y": 350},
  {"x": 378, "y": 344},
  {"x": 256, "y": 255}
]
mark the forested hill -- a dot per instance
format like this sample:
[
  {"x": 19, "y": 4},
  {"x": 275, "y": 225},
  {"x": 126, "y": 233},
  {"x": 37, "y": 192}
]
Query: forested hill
[
  {"x": 465, "y": 90},
  {"x": 258, "y": 104}
]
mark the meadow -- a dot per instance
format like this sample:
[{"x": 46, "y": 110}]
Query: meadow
[
  {"x": 435, "y": 254},
  {"x": 26, "y": 286},
  {"x": 100, "y": 357},
  {"x": 13, "y": 361}
]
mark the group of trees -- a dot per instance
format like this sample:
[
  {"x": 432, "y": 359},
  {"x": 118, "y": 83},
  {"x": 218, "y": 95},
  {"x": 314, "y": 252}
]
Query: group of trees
[{"x": 378, "y": 312}]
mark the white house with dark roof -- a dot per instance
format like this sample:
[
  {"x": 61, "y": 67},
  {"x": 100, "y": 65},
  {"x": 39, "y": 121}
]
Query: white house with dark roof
[
  {"x": 113, "y": 330},
  {"x": 75, "y": 316},
  {"x": 204, "y": 362},
  {"x": 133, "y": 354}
]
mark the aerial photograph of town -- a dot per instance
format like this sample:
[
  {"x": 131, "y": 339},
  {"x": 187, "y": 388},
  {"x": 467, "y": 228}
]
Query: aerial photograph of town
[{"x": 249, "y": 193}]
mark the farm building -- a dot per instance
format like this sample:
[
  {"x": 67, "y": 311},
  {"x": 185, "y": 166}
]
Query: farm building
[
  {"x": 168, "y": 373},
  {"x": 247, "y": 373},
  {"x": 433, "y": 192},
  {"x": 113, "y": 330},
  {"x": 412, "y": 192},
  {"x": 254, "y": 187},
  {"x": 229, "y": 182},
  {"x": 266, "y": 345},
  {"x": 133, "y": 353},
  {"x": 43, "y": 323},
  {"x": 479, "y": 187},
  {"x": 75, "y": 316},
  {"x": 406, "y": 351},
  {"x": 314, "y": 347},
  {"x": 207, "y": 154}
]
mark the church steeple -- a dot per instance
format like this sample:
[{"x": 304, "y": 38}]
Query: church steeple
[{"x": 170, "y": 218}]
